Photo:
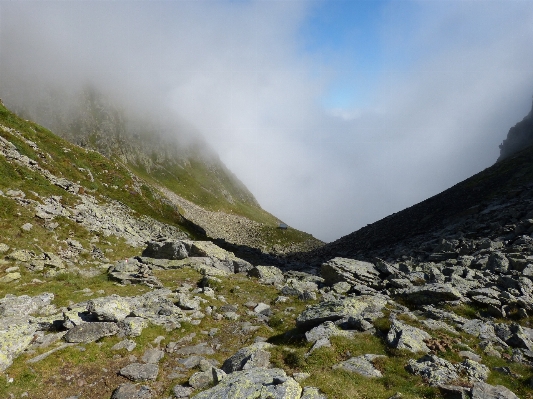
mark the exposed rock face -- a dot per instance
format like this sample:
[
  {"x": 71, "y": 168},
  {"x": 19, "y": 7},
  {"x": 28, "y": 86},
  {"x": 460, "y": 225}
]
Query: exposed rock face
[
  {"x": 348, "y": 270},
  {"x": 168, "y": 249},
  {"x": 132, "y": 391},
  {"x": 403, "y": 336},
  {"x": 16, "y": 334},
  {"x": 272, "y": 383},
  {"x": 339, "y": 309},
  {"x": 140, "y": 372},
  {"x": 113, "y": 308},
  {"x": 90, "y": 332},
  {"x": 520, "y": 136},
  {"x": 428, "y": 294},
  {"x": 248, "y": 357},
  {"x": 362, "y": 365}
]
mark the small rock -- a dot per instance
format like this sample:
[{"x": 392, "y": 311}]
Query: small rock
[
  {"x": 9, "y": 277},
  {"x": 362, "y": 365},
  {"x": 27, "y": 227},
  {"x": 153, "y": 356},
  {"x": 132, "y": 391},
  {"x": 140, "y": 372},
  {"x": 182, "y": 392},
  {"x": 127, "y": 344}
]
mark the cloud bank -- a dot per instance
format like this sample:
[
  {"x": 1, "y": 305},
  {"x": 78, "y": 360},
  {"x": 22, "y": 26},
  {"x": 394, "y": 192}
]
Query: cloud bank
[{"x": 453, "y": 80}]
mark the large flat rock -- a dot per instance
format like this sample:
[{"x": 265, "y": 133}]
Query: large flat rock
[
  {"x": 339, "y": 309},
  {"x": 254, "y": 383}
]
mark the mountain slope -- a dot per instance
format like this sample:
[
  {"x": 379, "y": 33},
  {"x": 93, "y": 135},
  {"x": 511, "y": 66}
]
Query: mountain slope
[
  {"x": 175, "y": 162},
  {"x": 505, "y": 189}
]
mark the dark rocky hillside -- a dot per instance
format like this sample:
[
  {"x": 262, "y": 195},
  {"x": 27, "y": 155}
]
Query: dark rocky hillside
[{"x": 495, "y": 203}]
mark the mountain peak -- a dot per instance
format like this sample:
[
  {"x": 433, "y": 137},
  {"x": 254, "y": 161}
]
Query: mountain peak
[{"x": 520, "y": 136}]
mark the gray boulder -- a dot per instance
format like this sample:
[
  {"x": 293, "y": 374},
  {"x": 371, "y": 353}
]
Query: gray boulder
[
  {"x": 340, "y": 309},
  {"x": 325, "y": 330},
  {"x": 16, "y": 334},
  {"x": 433, "y": 369},
  {"x": 167, "y": 249},
  {"x": 312, "y": 393},
  {"x": 140, "y": 372},
  {"x": 498, "y": 263},
  {"x": 270, "y": 383},
  {"x": 248, "y": 357},
  {"x": 481, "y": 390},
  {"x": 203, "y": 379},
  {"x": 153, "y": 356},
  {"x": 473, "y": 371},
  {"x": 429, "y": 294},
  {"x": 180, "y": 391},
  {"x": 90, "y": 332},
  {"x": 350, "y": 271},
  {"x": 132, "y": 391},
  {"x": 403, "y": 336},
  {"x": 111, "y": 308},
  {"x": 24, "y": 305},
  {"x": 132, "y": 326},
  {"x": 267, "y": 274},
  {"x": 362, "y": 365}
]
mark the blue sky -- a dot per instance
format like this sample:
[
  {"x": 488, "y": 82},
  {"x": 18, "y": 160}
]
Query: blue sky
[
  {"x": 346, "y": 35},
  {"x": 333, "y": 113}
]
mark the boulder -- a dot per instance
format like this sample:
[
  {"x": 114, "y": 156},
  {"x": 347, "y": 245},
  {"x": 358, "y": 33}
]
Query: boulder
[
  {"x": 132, "y": 391},
  {"x": 271, "y": 383},
  {"x": 180, "y": 391},
  {"x": 16, "y": 334},
  {"x": 140, "y": 372},
  {"x": 267, "y": 274},
  {"x": 111, "y": 308},
  {"x": 339, "y": 309},
  {"x": 403, "y": 336},
  {"x": 473, "y": 370},
  {"x": 226, "y": 260},
  {"x": 325, "y": 330},
  {"x": 350, "y": 271},
  {"x": 203, "y": 379},
  {"x": 153, "y": 356},
  {"x": 24, "y": 305},
  {"x": 132, "y": 326},
  {"x": 90, "y": 332},
  {"x": 481, "y": 390},
  {"x": 362, "y": 365},
  {"x": 433, "y": 369},
  {"x": 167, "y": 249},
  {"x": 498, "y": 263},
  {"x": 304, "y": 290},
  {"x": 429, "y": 294},
  {"x": 312, "y": 393},
  {"x": 248, "y": 357}
]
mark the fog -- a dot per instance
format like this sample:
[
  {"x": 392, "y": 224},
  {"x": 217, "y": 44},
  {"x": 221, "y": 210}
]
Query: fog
[{"x": 453, "y": 80}]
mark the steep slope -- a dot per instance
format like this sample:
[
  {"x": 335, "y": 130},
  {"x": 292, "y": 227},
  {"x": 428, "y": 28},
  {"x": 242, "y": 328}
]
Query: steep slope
[
  {"x": 501, "y": 194},
  {"x": 174, "y": 160}
]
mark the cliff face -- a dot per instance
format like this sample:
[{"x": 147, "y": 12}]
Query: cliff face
[{"x": 520, "y": 136}]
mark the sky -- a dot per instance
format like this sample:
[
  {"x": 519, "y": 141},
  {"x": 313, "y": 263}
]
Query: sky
[{"x": 334, "y": 113}]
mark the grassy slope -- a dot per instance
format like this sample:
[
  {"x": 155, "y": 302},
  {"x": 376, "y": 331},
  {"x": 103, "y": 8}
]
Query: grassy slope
[{"x": 110, "y": 179}]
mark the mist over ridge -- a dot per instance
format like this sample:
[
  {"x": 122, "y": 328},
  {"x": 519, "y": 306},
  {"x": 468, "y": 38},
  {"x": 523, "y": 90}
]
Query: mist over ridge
[{"x": 237, "y": 74}]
